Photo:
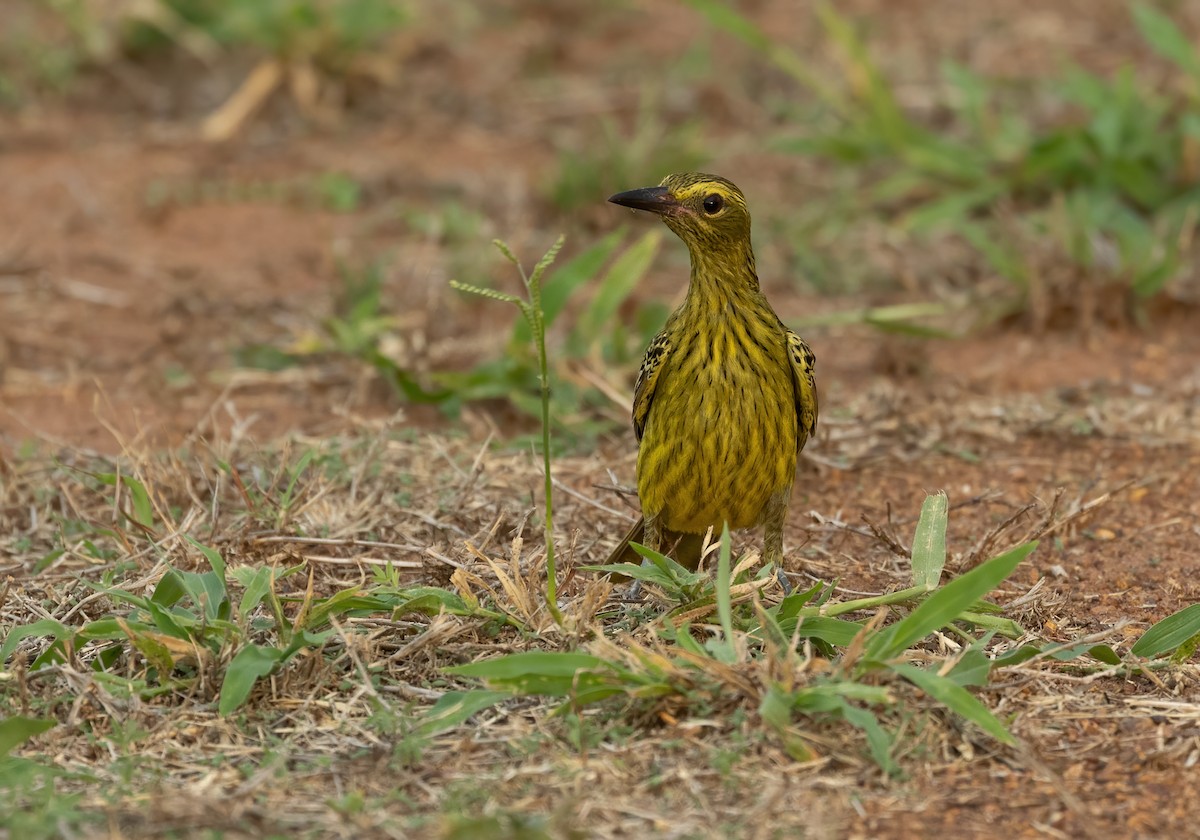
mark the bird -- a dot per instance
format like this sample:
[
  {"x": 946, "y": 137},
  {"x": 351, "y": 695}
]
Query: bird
[{"x": 726, "y": 395}]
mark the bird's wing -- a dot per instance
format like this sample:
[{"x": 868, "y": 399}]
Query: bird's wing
[
  {"x": 804, "y": 384},
  {"x": 643, "y": 391}
]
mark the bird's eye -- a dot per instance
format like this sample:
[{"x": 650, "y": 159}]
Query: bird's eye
[{"x": 713, "y": 204}]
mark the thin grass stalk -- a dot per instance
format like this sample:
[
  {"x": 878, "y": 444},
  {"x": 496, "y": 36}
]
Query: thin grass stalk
[{"x": 535, "y": 316}]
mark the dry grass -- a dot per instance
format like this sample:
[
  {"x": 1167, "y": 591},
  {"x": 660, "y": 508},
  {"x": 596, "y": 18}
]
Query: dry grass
[
  {"x": 332, "y": 744},
  {"x": 1091, "y": 444}
]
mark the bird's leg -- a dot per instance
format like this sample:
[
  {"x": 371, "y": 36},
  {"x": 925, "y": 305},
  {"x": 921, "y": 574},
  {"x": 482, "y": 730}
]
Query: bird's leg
[
  {"x": 773, "y": 516},
  {"x": 652, "y": 539}
]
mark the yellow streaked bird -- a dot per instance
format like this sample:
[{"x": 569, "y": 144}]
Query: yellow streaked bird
[{"x": 725, "y": 398}]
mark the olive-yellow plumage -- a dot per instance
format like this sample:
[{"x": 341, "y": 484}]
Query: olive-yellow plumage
[{"x": 725, "y": 398}]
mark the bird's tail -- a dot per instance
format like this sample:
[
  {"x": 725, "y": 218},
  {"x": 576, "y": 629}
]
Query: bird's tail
[{"x": 683, "y": 548}]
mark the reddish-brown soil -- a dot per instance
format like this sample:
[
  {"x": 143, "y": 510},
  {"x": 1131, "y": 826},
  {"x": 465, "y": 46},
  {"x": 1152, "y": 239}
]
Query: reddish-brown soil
[{"x": 120, "y": 319}]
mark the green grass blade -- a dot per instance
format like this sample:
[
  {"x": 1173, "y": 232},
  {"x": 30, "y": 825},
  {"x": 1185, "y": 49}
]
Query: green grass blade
[
  {"x": 1166, "y": 38},
  {"x": 285, "y": 501},
  {"x": 518, "y": 666},
  {"x": 1167, "y": 635},
  {"x": 17, "y": 729},
  {"x": 951, "y": 209},
  {"x": 660, "y": 570},
  {"x": 725, "y": 650},
  {"x": 973, "y": 667},
  {"x": 896, "y": 318},
  {"x": 171, "y": 623},
  {"x": 956, "y": 698},
  {"x": 207, "y": 591},
  {"x": 617, "y": 284},
  {"x": 884, "y": 114},
  {"x": 143, "y": 511},
  {"x": 722, "y": 16},
  {"x": 455, "y": 708},
  {"x": 945, "y": 605},
  {"x": 42, "y": 627},
  {"x": 879, "y": 741},
  {"x": 1004, "y": 626}
]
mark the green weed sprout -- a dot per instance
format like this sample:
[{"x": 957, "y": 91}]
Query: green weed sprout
[{"x": 535, "y": 316}]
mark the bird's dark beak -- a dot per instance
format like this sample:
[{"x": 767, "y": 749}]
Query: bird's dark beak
[{"x": 655, "y": 199}]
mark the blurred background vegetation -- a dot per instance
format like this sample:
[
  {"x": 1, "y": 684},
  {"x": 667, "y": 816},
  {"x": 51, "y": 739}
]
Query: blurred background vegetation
[{"x": 933, "y": 196}]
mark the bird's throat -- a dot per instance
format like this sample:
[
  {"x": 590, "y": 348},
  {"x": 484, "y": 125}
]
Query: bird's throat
[{"x": 722, "y": 281}]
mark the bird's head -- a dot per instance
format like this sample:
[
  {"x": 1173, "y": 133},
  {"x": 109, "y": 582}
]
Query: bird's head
[{"x": 706, "y": 211}]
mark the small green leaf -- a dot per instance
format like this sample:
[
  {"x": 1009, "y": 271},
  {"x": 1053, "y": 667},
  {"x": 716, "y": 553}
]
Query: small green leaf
[
  {"x": 776, "y": 707},
  {"x": 256, "y": 581},
  {"x": 49, "y": 559},
  {"x": 208, "y": 591},
  {"x": 1103, "y": 653},
  {"x": 143, "y": 511},
  {"x": 155, "y": 652},
  {"x": 169, "y": 622},
  {"x": 42, "y": 627},
  {"x": 432, "y": 603},
  {"x": 429, "y": 600},
  {"x": 929, "y": 541},
  {"x": 249, "y": 665},
  {"x": 338, "y": 191},
  {"x": 17, "y": 729},
  {"x": 340, "y": 603},
  {"x": 660, "y": 569},
  {"x": 972, "y": 668},
  {"x": 404, "y": 382},
  {"x": 950, "y": 210},
  {"x": 791, "y": 604},
  {"x": 169, "y": 589},
  {"x": 835, "y": 631},
  {"x": 1024, "y": 653},
  {"x": 303, "y": 640},
  {"x": 107, "y": 628},
  {"x": 1004, "y": 626},
  {"x": 454, "y": 708}
]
